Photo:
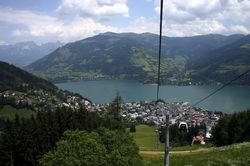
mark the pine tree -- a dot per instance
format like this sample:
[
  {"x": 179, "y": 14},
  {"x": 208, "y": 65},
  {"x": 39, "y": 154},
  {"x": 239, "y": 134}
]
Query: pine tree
[
  {"x": 113, "y": 118},
  {"x": 132, "y": 128},
  {"x": 220, "y": 132}
]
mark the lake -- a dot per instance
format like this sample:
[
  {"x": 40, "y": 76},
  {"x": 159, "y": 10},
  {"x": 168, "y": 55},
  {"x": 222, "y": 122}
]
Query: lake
[{"x": 230, "y": 99}]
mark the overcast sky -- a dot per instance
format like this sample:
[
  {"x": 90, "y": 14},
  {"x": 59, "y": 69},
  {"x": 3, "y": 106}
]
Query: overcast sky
[{"x": 70, "y": 20}]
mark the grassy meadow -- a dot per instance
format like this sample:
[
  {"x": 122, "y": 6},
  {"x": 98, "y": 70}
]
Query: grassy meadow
[
  {"x": 10, "y": 112},
  {"x": 234, "y": 155},
  {"x": 199, "y": 155},
  {"x": 145, "y": 138}
]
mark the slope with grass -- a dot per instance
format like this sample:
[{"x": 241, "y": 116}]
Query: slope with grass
[
  {"x": 225, "y": 63},
  {"x": 134, "y": 56},
  {"x": 237, "y": 154},
  {"x": 13, "y": 77},
  {"x": 8, "y": 112},
  {"x": 145, "y": 138}
]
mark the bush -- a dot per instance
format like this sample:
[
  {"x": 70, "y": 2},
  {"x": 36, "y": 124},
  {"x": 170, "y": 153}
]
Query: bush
[{"x": 101, "y": 148}]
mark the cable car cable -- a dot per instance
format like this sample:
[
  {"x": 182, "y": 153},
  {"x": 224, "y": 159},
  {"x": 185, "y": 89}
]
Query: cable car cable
[
  {"x": 159, "y": 61},
  {"x": 222, "y": 87}
]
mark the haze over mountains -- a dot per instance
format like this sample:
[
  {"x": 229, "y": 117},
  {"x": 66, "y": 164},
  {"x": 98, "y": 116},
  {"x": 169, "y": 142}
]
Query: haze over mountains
[
  {"x": 24, "y": 53},
  {"x": 200, "y": 59}
]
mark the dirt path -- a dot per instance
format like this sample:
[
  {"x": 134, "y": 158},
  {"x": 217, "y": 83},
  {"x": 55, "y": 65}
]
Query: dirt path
[{"x": 177, "y": 152}]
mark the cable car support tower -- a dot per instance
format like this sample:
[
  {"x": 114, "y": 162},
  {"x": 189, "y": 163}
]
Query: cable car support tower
[{"x": 167, "y": 147}]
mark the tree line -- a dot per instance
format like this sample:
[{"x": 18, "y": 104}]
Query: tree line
[
  {"x": 231, "y": 129},
  {"x": 28, "y": 141},
  {"x": 178, "y": 137}
]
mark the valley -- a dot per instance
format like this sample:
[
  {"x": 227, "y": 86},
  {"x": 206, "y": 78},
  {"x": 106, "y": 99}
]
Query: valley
[
  {"x": 125, "y": 83},
  {"x": 205, "y": 59}
]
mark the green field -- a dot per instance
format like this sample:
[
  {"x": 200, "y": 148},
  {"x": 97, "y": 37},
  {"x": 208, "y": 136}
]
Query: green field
[
  {"x": 237, "y": 155},
  {"x": 10, "y": 112},
  {"x": 145, "y": 138},
  {"x": 193, "y": 147}
]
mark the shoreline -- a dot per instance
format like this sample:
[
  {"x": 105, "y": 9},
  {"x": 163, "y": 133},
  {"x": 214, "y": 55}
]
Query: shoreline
[{"x": 148, "y": 83}]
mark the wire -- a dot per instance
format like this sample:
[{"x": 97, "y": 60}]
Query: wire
[
  {"x": 159, "y": 62},
  {"x": 222, "y": 87}
]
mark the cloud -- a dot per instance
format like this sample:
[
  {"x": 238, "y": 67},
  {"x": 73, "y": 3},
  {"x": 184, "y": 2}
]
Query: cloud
[
  {"x": 142, "y": 25},
  {"x": 238, "y": 29},
  {"x": 189, "y": 28},
  {"x": 177, "y": 11},
  {"x": 235, "y": 11},
  {"x": 94, "y": 8},
  {"x": 81, "y": 28},
  {"x": 195, "y": 17},
  {"x": 72, "y": 20},
  {"x": 205, "y": 16},
  {"x": 196, "y": 27},
  {"x": 38, "y": 25},
  {"x": 3, "y": 42},
  {"x": 23, "y": 16}
]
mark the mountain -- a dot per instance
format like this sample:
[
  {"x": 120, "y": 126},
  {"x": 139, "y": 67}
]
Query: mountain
[
  {"x": 225, "y": 63},
  {"x": 12, "y": 77},
  {"x": 131, "y": 55},
  {"x": 20, "y": 89},
  {"x": 24, "y": 53}
]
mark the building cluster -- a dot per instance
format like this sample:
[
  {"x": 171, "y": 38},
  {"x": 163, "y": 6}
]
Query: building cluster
[
  {"x": 179, "y": 111},
  {"x": 40, "y": 100},
  {"x": 145, "y": 112},
  {"x": 152, "y": 112}
]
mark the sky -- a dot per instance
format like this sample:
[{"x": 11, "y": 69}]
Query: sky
[{"x": 70, "y": 20}]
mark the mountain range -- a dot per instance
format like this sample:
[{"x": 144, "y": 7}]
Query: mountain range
[
  {"x": 199, "y": 59},
  {"x": 24, "y": 53}
]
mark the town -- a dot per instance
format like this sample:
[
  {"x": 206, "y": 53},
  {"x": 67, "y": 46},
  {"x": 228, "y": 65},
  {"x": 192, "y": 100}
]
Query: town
[
  {"x": 155, "y": 113},
  {"x": 39, "y": 100},
  {"x": 143, "y": 111}
]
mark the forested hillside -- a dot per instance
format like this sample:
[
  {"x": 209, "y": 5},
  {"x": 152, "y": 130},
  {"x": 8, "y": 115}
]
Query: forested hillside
[
  {"x": 232, "y": 129},
  {"x": 13, "y": 77},
  {"x": 199, "y": 59},
  {"x": 21, "y": 89},
  {"x": 94, "y": 139}
]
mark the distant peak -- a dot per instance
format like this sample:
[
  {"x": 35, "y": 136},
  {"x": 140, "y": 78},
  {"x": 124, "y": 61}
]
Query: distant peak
[
  {"x": 26, "y": 42},
  {"x": 148, "y": 33},
  {"x": 108, "y": 33}
]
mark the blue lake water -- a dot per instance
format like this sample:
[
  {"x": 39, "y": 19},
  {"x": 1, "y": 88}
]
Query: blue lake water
[{"x": 230, "y": 99}]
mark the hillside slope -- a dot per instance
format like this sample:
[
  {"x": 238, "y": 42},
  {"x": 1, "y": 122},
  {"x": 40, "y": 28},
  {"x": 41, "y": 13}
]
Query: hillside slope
[
  {"x": 20, "y": 89},
  {"x": 237, "y": 154},
  {"x": 225, "y": 63},
  {"x": 12, "y": 77},
  {"x": 130, "y": 55}
]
